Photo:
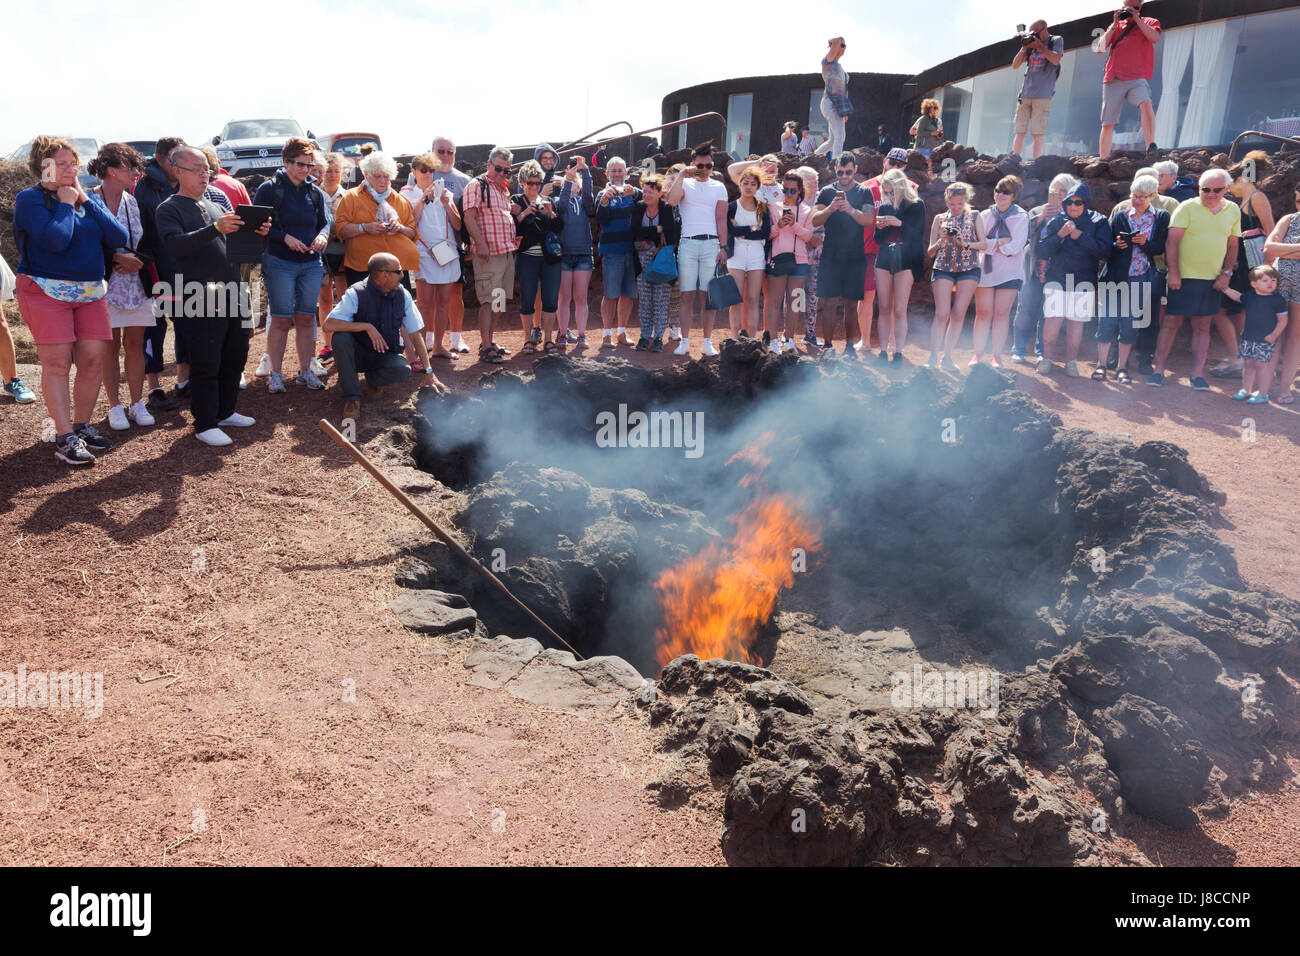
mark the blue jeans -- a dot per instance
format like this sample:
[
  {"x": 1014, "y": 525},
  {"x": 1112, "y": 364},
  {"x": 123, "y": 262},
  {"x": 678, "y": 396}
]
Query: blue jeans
[
  {"x": 534, "y": 271},
  {"x": 292, "y": 287},
  {"x": 1029, "y": 318}
]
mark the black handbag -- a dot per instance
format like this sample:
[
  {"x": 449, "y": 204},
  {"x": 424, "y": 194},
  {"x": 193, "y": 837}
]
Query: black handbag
[
  {"x": 784, "y": 264},
  {"x": 723, "y": 291}
]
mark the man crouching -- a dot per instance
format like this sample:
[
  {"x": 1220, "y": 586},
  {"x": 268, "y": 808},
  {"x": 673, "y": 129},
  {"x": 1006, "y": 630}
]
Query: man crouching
[{"x": 367, "y": 328}]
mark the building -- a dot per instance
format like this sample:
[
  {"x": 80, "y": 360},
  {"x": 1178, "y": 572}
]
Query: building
[{"x": 1221, "y": 67}]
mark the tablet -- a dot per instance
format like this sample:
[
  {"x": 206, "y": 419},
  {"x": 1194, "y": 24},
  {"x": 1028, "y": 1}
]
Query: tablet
[{"x": 253, "y": 216}]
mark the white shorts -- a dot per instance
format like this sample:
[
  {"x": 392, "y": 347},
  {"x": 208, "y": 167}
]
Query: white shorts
[
  {"x": 696, "y": 260},
  {"x": 749, "y": 256},
  {"x": 1076, "y": 305}
]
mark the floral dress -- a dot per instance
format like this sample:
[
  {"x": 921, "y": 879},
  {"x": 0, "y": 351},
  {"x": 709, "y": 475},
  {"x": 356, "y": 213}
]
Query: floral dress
[
  {"x": 1289, "y": 269},
  {"x": 125, "y": 291}
]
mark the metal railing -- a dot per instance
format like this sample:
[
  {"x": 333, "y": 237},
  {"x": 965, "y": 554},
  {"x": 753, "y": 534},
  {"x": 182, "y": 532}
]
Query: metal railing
[
  {"x": 1284, "y": 140},
  {"x": 586, "y": 142}
]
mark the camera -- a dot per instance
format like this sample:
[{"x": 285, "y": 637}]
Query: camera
[
  {"x": 952, "y": 231},
  {"x": 1027, "y": 39},
  {"x": 573, "y": 161},
  {"x": 1126, "y": 14}
]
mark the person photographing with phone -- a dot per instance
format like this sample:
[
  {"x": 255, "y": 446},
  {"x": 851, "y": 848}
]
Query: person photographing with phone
[
  {"x": 701, "y": 202},
  {"x": 437, "y": 224},
  {"x": 617, "y": 256},
  {"x": 1129, "y": 44}
]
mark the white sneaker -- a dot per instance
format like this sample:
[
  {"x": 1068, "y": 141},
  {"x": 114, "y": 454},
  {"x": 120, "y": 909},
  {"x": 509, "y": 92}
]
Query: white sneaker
[
  {"x": 707, "y": 348},
  {"x": 264, "y": 366},
  {"x": 275, "y": 383},
  {"x": 243, "y": 381},
  {"x": 237, "y": 420},
  {"x": 675, "y": 333},
  {"x": 213, "y": 436},
  {"x": 117, "y": 419},
  {"x": 139, "y": 413},
  {"x": 317, "y": 369},
  {"x": 684, "y": 348}
]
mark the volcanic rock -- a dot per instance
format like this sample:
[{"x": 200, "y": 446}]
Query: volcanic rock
[{"x": 433, "y": 612}]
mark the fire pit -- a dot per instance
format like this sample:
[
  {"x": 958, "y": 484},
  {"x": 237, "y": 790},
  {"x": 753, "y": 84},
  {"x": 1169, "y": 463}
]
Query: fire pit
[{"x": 944, "y": 628}]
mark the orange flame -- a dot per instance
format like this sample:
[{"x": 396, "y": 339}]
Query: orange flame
[{"x": 714, "y": 603}]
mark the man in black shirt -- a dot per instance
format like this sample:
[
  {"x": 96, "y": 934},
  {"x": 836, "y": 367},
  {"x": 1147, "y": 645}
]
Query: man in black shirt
[
  {"x": 845, "y": 209},
  {"x": 210, "y": 303}
]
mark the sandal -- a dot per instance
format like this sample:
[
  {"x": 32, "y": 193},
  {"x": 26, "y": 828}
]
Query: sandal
[
  {"x": 1099, "y": 375},
  {"x": 1284, "y": 398},
  {"x": 529, "y": 346},
  {"x": 491, "y": 356},
  {"x": 1123, "y": 377},
  {"x": 548, "y": 347}
]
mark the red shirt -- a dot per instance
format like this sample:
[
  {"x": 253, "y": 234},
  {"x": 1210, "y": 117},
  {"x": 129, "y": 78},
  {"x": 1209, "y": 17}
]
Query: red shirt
[
  {"x": 233, "y": 189},
  {"x": 1133, "y": 59}
]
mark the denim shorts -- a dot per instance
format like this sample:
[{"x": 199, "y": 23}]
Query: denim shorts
[
  {"x": 292, "y": 287},
  {"x": 696, "y": 260},
  {"x": 938, "y": 274},
  {"x": 577, "y": 263},
  {"x": 619, "y": 275}
]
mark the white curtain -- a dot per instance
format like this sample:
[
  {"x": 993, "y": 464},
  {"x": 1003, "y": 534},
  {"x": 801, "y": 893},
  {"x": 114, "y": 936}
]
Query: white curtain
[
  {"x": 1200, "y": 126},
  {"x": 1177, "y": 49}
]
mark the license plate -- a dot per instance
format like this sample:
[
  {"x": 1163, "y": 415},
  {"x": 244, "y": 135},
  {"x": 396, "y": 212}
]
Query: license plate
[{"x": 263, "y": 163}]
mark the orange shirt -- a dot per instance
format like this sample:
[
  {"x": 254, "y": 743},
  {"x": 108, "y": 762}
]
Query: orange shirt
[{"x": 355, "y": 207}]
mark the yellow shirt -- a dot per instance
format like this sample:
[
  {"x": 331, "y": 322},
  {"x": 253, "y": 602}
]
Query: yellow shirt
[
  {"x": 1204, "y": 245},
  {"x": 356, "y": 207}
]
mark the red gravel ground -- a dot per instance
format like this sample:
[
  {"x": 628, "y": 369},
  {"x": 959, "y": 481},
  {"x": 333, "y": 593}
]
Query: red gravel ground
[{"x": 225, "y": 737}]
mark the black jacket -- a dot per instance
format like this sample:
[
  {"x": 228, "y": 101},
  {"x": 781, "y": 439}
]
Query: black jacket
[
  {"x": 1120, "y": 259},
  {"x": 762, "y": 233},
  {"x": 669, "y": 220},
  {"x": 532, "y": 229},
  {"x": 910, "y": 239}
]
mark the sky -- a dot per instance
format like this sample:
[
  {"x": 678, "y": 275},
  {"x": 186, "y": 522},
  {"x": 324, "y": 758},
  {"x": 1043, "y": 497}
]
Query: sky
[{"x": 510, "y": 71}]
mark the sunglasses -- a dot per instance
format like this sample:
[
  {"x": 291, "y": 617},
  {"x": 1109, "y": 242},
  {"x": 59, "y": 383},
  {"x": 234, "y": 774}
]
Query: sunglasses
[
  {"x": 1074, "y": 202},
  {"x": 532, "y": 182},
  {"x": 703, "y": 165},
  {"x": 1211, "y": 189},
  {"x": 1005, "y": 192},
  {"x": 302, "y": 165},
  {"x": 845, "y": 172},
  {"x": 501, "y": 170},
  {"x": 792, "y": 190},
  {"x": 445, "y": 152}
]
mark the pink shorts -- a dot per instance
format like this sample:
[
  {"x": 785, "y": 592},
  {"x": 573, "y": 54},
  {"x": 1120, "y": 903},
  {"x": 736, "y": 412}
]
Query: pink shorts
[{"x": 61, "y": 323}]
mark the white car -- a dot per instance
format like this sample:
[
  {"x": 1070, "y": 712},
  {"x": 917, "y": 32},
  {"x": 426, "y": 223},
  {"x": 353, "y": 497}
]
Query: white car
[{"x": 254, "y": 145}]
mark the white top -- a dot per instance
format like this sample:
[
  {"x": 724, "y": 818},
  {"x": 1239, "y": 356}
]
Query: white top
[
  {"x": 699, "y": 206},
  {"x": 346, "y": 310},
  {"x": 431, "y": 223},
  {"x": 746, "y": 217}
]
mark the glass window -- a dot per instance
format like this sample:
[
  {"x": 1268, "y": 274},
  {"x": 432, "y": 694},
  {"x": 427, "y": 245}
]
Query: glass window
[
  {"x": 683, "y": 111},
  {"x": 1264, "y": 92},
  {"x": 740, "y": 112},
  {"x": 816, "y": 122}
]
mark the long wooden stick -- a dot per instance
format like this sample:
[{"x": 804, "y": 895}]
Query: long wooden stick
[{"x": 445, "y": 538}]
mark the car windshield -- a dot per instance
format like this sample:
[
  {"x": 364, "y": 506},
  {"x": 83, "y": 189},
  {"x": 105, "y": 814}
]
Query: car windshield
[
  {"x": 261, "y": 129},
  {"x": 351, "y": 145},
  {"x": 86, "y": 148}
]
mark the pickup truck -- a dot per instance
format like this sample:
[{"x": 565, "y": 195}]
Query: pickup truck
[{"x": 254, "y": 145}]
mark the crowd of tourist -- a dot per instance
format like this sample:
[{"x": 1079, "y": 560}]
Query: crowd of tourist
[{"x": 373, "y": 278}]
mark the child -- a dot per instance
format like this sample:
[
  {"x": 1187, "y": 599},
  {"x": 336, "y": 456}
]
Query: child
[{"x": 1266, "y": 314}]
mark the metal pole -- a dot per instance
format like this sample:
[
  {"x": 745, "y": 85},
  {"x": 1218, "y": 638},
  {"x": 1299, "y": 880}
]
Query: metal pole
[{"x": 442, "y": 536}]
